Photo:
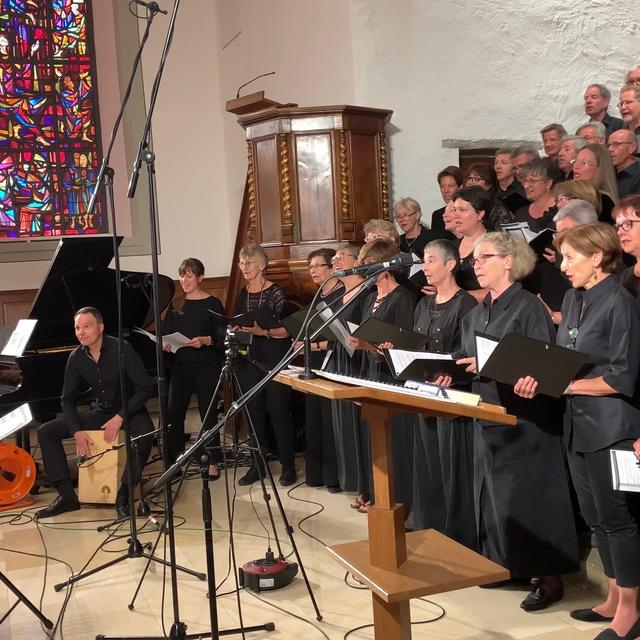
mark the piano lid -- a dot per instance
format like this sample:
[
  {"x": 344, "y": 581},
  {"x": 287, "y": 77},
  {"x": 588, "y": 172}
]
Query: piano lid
[{"x": 79, "y": 276}]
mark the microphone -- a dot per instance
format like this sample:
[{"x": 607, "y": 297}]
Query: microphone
[
  {"x": 262, "y": 75},
  {"x": 151, "y": 6},
  {"x": 397, "y": 262}
]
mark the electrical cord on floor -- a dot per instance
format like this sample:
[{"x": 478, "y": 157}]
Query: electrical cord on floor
[{"x": 308, "y": 517}]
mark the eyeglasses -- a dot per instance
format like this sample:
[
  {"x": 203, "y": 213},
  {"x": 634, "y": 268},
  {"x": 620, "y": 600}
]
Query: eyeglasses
[
  {"x": 483, "y": 257},
  {"x": 318, "y": 266},
  {"x": 405, "y": 216},
  {"x": 475, "y": 179},
  {"x": 245, "y": 263},
  {"x": 531, "y": 180},
  {"x": 625, "y": 225},
  {"x": 561, "y": 198},
  {"x": 585, "y": 163},
  {"x": 625, "y": 103},
  {"x": 615, "y": 145}
]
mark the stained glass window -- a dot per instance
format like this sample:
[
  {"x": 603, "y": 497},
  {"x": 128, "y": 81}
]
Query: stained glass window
[{"x": 49, "y": 136}]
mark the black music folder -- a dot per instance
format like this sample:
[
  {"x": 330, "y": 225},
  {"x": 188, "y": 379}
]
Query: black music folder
[
  {"x": 262, "y": 315},
  {"x": 421, "y": 365},
  {"x": 376, "y": 331},
  {"x": 516, "y": 356},
  {"x": 293, "y": 325}
]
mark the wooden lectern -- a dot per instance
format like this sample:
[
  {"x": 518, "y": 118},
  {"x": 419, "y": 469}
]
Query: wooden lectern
[
  {"x": 395, "y": 566},
  {"x": 315, "y": 176}
]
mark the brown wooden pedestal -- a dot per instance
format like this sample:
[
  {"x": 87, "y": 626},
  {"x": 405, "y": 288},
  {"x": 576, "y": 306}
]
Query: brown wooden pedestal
[{"x": 394, "y": 565}]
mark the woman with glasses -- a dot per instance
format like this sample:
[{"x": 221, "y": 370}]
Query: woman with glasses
[
  {"x": 320, "y": 448},
  {"x": 350, "y": 451},
  {"x": 471, "y": 204},
  {"x": 627, "y": 217},
  {"x": 537, "y": 182},
  {"x": 566, "y": 192},
  {"x": 593, "y": 164},
  {"x": 267, "y": 348},
  {"x": 483, "y": 175},
  {"x": 391, "y": 303},
  {"x": 523, "y": 506},
  {"x": 602, "y": 320}
]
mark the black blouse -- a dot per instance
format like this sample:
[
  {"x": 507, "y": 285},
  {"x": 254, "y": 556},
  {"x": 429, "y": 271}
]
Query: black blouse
[
  {"x": 195, "y": 319},
  {"x": 604, "y": 323},
  {"x": 466, "y": 275},
  {"x": 630, "y": 281},
  {"x": 515, "y": 311},
  {"x": 537, "y": 224},
  {"x": 395, "y": 308},
  {"x": 442, "y": 322},
  {"x": 330, "y": 299},
  {"x": 264, "y": 350}
]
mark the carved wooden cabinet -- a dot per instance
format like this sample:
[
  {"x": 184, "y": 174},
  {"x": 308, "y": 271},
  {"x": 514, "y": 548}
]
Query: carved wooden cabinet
[{"x": 315, "y": 176}]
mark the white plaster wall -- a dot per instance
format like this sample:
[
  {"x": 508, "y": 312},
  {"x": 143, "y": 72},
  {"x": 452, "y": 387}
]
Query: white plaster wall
[
  {"x": 450, "y": 69},
  {"x": 484, "y": 69}
]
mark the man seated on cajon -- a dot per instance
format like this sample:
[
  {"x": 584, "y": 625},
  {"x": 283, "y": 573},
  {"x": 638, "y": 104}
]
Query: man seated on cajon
[{"x": 95, "y": 364}]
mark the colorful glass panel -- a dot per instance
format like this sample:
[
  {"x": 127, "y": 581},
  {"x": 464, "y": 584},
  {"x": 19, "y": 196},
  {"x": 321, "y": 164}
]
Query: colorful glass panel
[{"x": 49, "y": 135}]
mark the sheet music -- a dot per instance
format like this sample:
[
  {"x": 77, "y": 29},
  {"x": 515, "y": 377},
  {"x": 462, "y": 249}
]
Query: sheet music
[
  {"x": 174, "y": 340},
  {"x": 338, "y": 329},
  {"x": 415, "y": 268},
  {"x": 625, "y": 471},
  {"x": 484, "y": 348},
  {"x": 15, "y": 420},
  {"x": 352, "y": 327},
  {"x": 17, "y": 343},
  {"x": 522, "y": 231},
  {"x": 401, "y": 358}
]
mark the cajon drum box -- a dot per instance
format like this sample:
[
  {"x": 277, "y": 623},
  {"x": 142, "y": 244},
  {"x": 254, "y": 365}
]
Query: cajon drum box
[{"x": 99, "y": 479}]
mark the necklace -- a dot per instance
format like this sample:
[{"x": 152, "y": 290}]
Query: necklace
[{"x": 249, "y": 293}]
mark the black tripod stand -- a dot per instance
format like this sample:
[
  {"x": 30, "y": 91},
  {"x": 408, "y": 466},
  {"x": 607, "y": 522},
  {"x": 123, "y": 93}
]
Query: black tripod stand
[{"x": 22, "y": 598}]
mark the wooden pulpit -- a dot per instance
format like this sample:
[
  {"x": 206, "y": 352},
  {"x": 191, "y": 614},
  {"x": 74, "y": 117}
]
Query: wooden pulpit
[
  {"x": 315, "y": 176},
  {"x": 395, "y": 566}
]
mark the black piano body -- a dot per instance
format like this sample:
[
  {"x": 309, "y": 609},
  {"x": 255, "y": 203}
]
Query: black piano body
[{"x": 78, "y": 276}]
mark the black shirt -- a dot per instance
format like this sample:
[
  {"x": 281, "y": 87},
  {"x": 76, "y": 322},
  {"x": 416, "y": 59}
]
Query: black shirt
[
  {"x": 611, "y": 124},
  {"x": 515, "y": 311},
  {"x": 437, "y": 226},
  {"x": 629, "y": 180},
  {"x": 537, "y": 224},
  {"x": 195, "y": 319},
  {"x": 630, "y": 281},
  {"x": 606, "y": 322},
  {"x": 466, "y": 275},
  {"x": 513, "y": 196},
  {"x": 103, "y": 377},
  {"x": 442, "y": 322}
]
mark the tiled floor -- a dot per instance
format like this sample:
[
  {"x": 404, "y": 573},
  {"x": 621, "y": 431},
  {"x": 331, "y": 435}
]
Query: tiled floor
[{"x": 99, "y": 604}]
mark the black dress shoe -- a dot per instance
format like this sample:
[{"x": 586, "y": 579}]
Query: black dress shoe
[
  {"x": 540, "y": 598},
  {"x": 249, "y": 478},
  {"x": 288, "y": 477},
  {"x": 122, "y": 509},
  {"x": 333, "y": 488},
  {"x": 58, "y": 506},
  {"x": 589, "y": 615},
  {"x": 610, "y": 634}
]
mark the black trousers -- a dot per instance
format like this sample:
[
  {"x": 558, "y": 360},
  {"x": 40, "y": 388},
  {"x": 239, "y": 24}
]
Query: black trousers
[
  {"x": 273, "y": 401},
  {"x": 609, "y": 513},
  {"x": 185, "y": 381},
  {"x": 51, "y": 434},
  {"x": 321, "y": 464}
]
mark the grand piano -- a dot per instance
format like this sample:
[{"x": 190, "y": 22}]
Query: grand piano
[{"x": 78, "y": 276}]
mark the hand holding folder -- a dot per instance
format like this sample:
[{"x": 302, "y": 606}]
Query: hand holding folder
[{"x": 263, "y": 316}]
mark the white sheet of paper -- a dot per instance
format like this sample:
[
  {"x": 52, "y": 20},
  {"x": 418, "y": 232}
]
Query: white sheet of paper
[
  {"x": 20, "y": 336},
  {"x": 415, "y": 268},
  {"x": 174, "y": 340},
  {"x": 15, "y": 420},
  {"x": 625, "y": 470},
  {"x": 352, "y": 327},
  {"x": 401, "y": 358},
  {"x": 484, "y": 348},
  {"x": 339, "y": 329}
]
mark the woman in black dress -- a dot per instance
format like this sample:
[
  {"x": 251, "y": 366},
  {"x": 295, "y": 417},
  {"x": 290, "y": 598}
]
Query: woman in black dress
[
  {"x": 268, "y": 347},
  {"x": 320, "y": 449},
  {"x": 394, "y": 304},
  {"x": 523, "y": 506},
  {"x": 471, "y": 205},
  {"x": 537, "y": 186},
  {"x": 443, "y": 449},
  {"x": 195, "y": 368},
  {"x": 602, "y": 320}
]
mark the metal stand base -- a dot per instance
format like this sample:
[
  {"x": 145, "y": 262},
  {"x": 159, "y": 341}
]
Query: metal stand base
[{"x": 22, "y": 598}]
